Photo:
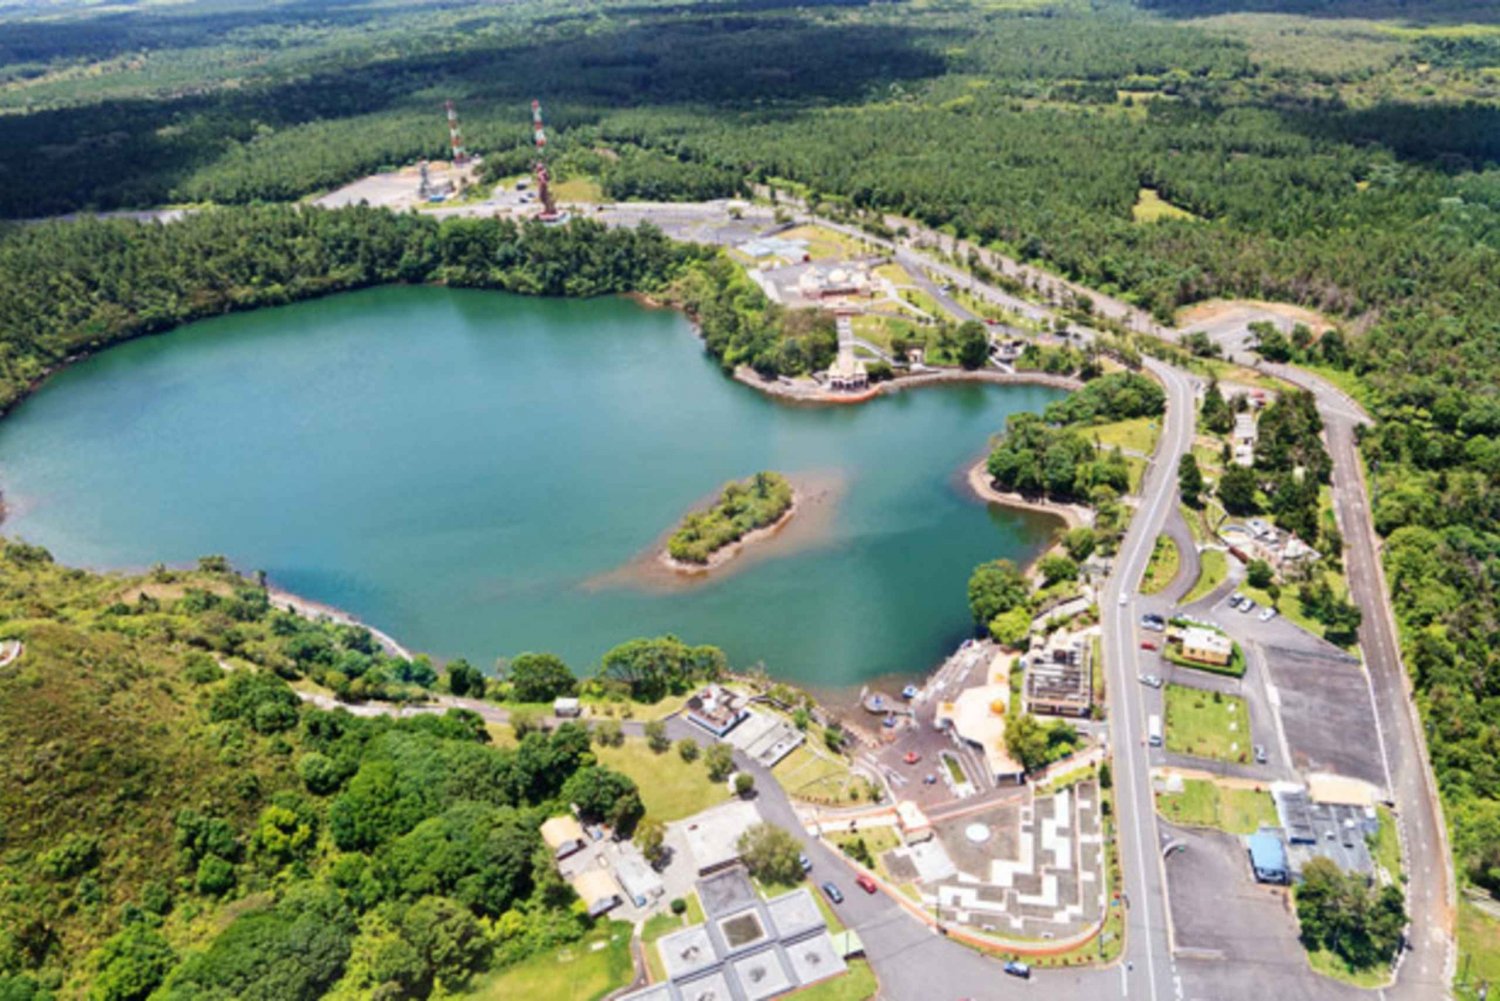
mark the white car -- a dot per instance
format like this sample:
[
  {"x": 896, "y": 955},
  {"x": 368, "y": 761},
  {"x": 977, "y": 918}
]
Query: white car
[
  {"x": 1268, "y": 615},
  {"x": 1124, "y": 598}
]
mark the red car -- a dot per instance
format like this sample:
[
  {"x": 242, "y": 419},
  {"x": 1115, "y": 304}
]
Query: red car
[
  {"x": 1147, "y": 645},
  {"x": 866, "y": 883},
  {"x": 912, "y": 757}
]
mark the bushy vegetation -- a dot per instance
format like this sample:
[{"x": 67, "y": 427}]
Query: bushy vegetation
[
  {"x": 743, "y": 507},
  {"x": 1342, "y": 913},
  {"x": 202, "y": 831}
]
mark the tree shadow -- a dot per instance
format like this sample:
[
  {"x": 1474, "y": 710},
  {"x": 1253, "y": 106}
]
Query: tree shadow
[
  {"x": 1414, "y": 11},
  {"x": 1451, "y": 138}
]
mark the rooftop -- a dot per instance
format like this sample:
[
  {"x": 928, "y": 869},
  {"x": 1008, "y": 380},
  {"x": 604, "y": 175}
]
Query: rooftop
[
  {"x": 713, "y": 836},
  {"x": 978, "y": 716}
]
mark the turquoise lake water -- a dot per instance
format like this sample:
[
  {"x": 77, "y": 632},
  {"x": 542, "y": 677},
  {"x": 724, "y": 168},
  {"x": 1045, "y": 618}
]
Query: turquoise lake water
[{"x": 461, "y": 467}]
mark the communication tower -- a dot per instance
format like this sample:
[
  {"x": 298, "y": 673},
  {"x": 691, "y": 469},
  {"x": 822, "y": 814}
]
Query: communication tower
[{"x": 455, "y": 137}]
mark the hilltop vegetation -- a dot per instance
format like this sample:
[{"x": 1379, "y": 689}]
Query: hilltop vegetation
[{"x": 179, "y": 819}]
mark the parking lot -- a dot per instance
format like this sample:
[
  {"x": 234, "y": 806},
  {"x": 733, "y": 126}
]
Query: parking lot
[
  {"x": 1327, "y": 713},
  {"x": 1236, "y": 939}
]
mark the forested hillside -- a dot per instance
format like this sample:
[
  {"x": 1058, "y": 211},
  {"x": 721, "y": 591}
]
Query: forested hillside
[{"x": 178, "y": 822}]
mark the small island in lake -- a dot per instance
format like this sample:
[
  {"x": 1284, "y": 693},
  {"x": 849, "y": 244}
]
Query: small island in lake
[{"x": 759, "y": 504}]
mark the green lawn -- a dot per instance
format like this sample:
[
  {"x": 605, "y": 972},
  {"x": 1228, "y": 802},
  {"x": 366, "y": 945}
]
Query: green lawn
[
  {"x": 878, "y": 840},
  {"x": 1213, "y": 570},
  {"x": 1162, "y": 568},
  {"x": 583, "y": 971},
  {"x": 1290, "y": 604},
  {"x": 807, "y": 774},
  {"x": 1203, "y": 803},
  {"x": 824, "y": 243},
  {"x": 1332, "y": 966},
  {"x": 1198, "y": 725},
  {"x": 670, "y": 787},
  {"x": 1136, "y": 435},
  {"x": 858, "y": 984},
  {"x": 1386, "y": 845},
  {"x": 578, "y": 189},
  {"x": 1478, "y": 949}
]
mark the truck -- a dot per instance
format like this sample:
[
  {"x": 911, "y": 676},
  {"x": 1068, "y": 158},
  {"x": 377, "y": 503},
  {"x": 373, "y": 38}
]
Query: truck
[{"x": 1153, "y": 730}]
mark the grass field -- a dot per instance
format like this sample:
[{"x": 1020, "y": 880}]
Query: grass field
[
  {"x": 670, "y": 787},
  {"x": 1151, "y": 207},
  {"x": 805, "y": 774},
  {"x": 1478, "y": 949},
  {"x": 1203, "y": 803},
  {"x": 1199, "y": 725},
  {"x": 880, "y": 329},
  {"x": 1162, "y": 568},
  {"x": 578, "y": 189},
  {"x": 1386, "y": 845},
  {"x": 1290, "y": 604},
  {"x": 859, "y": 984},
  {"x": 583, "y": 971},
  {"x": 1213, "y": 570},
  {"x": 878, "y": 840},
  {"x": 1138, "y": 434},
  {"x": 1329, "y": 965},
  {"x": 824, "y": 243}
]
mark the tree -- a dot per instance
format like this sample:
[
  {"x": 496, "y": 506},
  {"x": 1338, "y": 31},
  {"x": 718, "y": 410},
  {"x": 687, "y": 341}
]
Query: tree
[
  {"x": 1079, "y": 543},
  {"x": 1340, "y": 912},
  {"x": 720, "y": 761},
  {"x": 1259, "y": 574},
  {"x": 744, "y": 784},
  {"x": 609, "y": 733},
  {"x": 1237, "y": 488},
  {"x": 1012, "y": 629},
  {"x": 1057, "y": 568},
  {"x": 604, "y": 794},
  {"x": 656, "y": 736},
  {"x": 1033, "y": 745},
  {"x": 540, "y": 677},
  {"x": 973, "y": 344},
  {"x": 449, "y": 939},
  {"x": 650, "y": 838},
  {"x": 1190, "y": 480},
  {"x": 688, "y": 749},
  {"x": 995, "y": 587},
  {"x": 771, "y": 854},
  {"x": 654, "y": 667},
  {"x": 465, "y": 679},
  {"x": 131, "y": 964},
  {"x": 1217, "y": 417}
]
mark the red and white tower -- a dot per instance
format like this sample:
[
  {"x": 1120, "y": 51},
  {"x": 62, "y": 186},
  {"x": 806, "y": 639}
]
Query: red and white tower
[{"x": 455, "y": 137}]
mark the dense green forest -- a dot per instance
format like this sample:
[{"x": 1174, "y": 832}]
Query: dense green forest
[{"x": 187, "y": 822}]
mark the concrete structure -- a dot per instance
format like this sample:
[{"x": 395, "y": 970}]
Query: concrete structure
[
  {"x": 1206, "y": 646},
  {"x": 1335, "y": 831},
  {"x": 818, "y": 282},
  {"x": 747, "y": 949},
  {"x": 1059, "y": 680},
  {"x": 1268, "y": 857},
  {"x": 713, "y": 836},
  {"x": 977, "y": 716},
  {"x": 717, "y": 709},
  {"x": 564, "y": 835},
  {"x": 912, "y": 822},
  {"x": 848, "y": 373},
  {"x": 1258, "y": 539},
  {"x": 1243, "y": 439},
  {"x": 640, "y": 882},
  {"x": 765, "y": 737}
]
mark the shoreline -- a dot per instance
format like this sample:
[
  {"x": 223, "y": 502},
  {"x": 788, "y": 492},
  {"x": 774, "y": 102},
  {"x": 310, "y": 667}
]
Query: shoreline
[
  {"x": 724, "y": 554},
  {"x": 812, "y": 393},
  {"x": 1072, "y": 515},
  {"x": 309, "y": 609}
]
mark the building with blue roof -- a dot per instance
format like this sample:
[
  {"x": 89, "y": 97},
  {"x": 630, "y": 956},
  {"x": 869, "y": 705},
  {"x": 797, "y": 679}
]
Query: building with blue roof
[{"x": 1268, "y": 857}]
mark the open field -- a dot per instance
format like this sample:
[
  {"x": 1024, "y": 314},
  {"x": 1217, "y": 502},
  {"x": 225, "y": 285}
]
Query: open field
[
  {"x": 806, "y": 774},
  {"x": 1162, "y": 567},
  {"x": 1206, "y": 724},
  {"x": 1213, "y": 570},
  {"x": 582, "y": 971},
  {"x": 1151, "y": 207},
  {"x": 858, "y": 984},
  {"x": 1478, "y": 949},
  {"x": 670, "y": 787},
  {"x": 1136, "y": 435},
  {"x": 824, "y": 243},
  {"x": 578, "y": 189},
  {"x": 1203, "y": 803},
  {"x": 1332, "y": 966}
]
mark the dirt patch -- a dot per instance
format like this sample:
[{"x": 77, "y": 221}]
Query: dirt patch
[{"x": 1218, "y": 313}]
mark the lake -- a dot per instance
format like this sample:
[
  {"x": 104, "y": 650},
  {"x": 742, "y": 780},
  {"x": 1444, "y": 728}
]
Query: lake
[{"x": 470, "y": 470}]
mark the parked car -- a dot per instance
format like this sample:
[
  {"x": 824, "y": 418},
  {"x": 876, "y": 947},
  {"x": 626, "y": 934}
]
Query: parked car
[
  {"x": 1124, "y": 598},
  {"x": 866, "y": 883},
  {"x": 929, "y": 779},
  {"x": 804, "y": 862},
  {"x": 1017, "y": 969},
  {"x": 1150, "y": 681},
  {"x": 1268, "y": 615},
  {"x": 1153, "y": 622},
  {"x": 833, "y": 893},
  {"x": 911, "y": 757},
  {"x": 1147, "y": 645},
  {"x": 1260, "y": 754},
  {"x": 1235, "y": 599},
  {"x": 1247, "y": 606}
]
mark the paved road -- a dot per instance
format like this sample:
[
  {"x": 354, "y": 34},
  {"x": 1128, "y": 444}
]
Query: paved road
[{"x": 1148, "y": 945}]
